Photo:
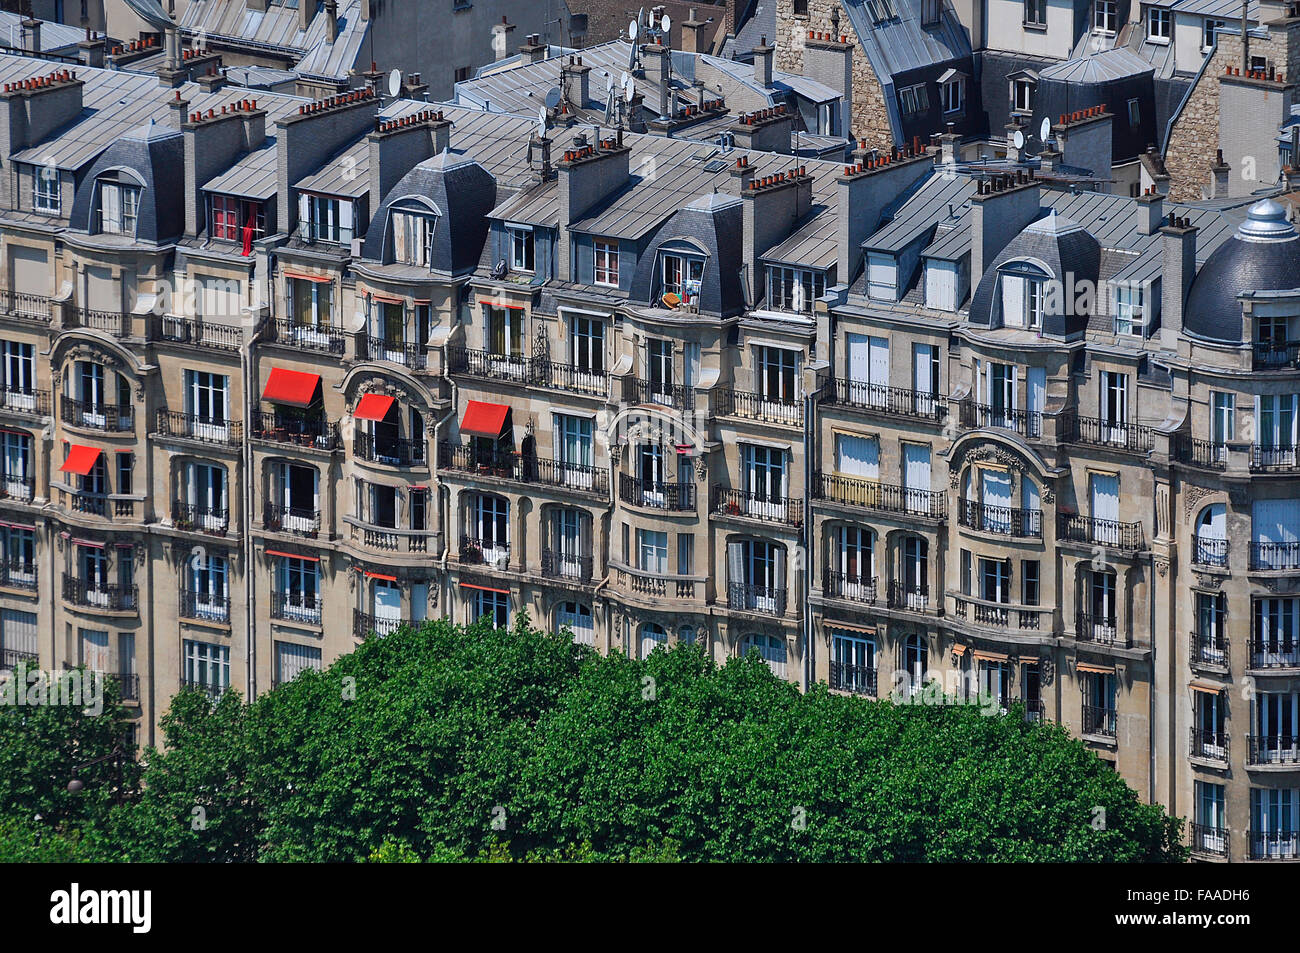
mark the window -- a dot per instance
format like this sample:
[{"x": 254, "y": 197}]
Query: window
[
  {"x": 119, "y": 208},
  {"x": 1036, "y": 12},
  {"x": 413, "y": 238},
  {"x": 681, "y": 276},
  {"x": 521, "y": 247},
  {"x": 237, "y": 220},
  {"x": 794, "y": 289},
  {"x": 914, "y": 99},
  {"x": 1129, "y": 317},
  {"x": 207, "y": 666},
  {"x": 494, "y": 605},
  {"x": 1105, "y": 16},
  {"x": 1159, "y": 24},
  {"x": 952, "y": 93},
  {"x": 325, "y": 219},
  {"x": 1022, "y": 96},
  {"x": 607, "y": 262},
  {"x": 1210, "y": 35},
  {"x": 45, "y": 190},
  {"x": 930, "y": 12}
]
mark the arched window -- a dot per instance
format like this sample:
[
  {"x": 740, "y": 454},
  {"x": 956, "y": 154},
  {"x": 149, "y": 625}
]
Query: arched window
[
  {"x": 770, "y": 647},
  {"x": 576, "y": 617},
  {"x": 1212, "y": 536},
  {"x": 651, "y": 637}
]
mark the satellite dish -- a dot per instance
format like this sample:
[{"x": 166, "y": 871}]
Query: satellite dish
[
  {"x": 395, "y": 82},
  {"x": 1019, "y": 139},
  {"x": 631, "y": 30},
  {"x": 667, "y": 24},
  {"x": 630, "y": 91},
  {"x": 1045, "y": 129},
  {"x": 553, "y": 97}
]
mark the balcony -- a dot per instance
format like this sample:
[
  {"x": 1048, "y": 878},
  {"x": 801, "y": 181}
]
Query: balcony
[
  {"x": 1273, "y": 459},
  {"x": 1208, "y": 551},
  {"x": 1002, "y": 520},
  {"x": 1274, "y": 845},
  {"x": 224, "y": 433},
  {"x": 393, "y": 452},
  {"x": 1099, "y": 721},
  {"x": 765, "y": 599},
  {"x": 851, "y": 586},
  {"x": 214, "y": 521},
  {"x": 12, "y": 658},
  {"x": 1207, "y": 839},
  {"x": 116, "y": 323},
  {"x": 314, "y": 432},
  {"x": 883, "y": 497},
  {"x": 676, "y": 497},
  {"x": 407, "y": 354},
  {"x": 30, "y": 307},
  {"x": 1127, "y": 537},
  {"x": 562, "y": 565},
  {"x": 107, "y": 417},
  {"x": 891, "y": 401},
  {"x": 533, "y": 372},
  {"x": 856, "y": 679},
  {"x": 485, "y": 552},
  {"x": 80, "y": 592},
  {"x": 1201, "y": 453},
  {"x": 658, "y": 394},
  {"x": 364, "y": 623},
  {"x": 17, "y": 574},
  {"x": 1098, "y": 630},
  {"x": 1276, "y": 355},
  {"x": 1027, "y": 423},
  {"x": 910, "y": 598},
  {"x": 759, "y": 506},
  {"x": 1209, "y": 745},
  {"x": 787, "y": 412},
  {"x": 196, "y": 332},
  {"x": 294, "y": 520},
  {"x": 296, "y": 607},
  {"x": 464, "y": 458},
  {"x": 997, "y": 614},
  {"x": 321, "y": 338},
  {"x": 1208, "y": 651},
  {"x": 20, "y": 488},
  {"x": 1280, "y": 652},
  {"x": 26, "y": 402},
  {"x": 204, "y": 606},
  {"x": 1272, "y": 749},
  {"x": 1113, "y": 434},
  {"x": 1270, "y": 556}
]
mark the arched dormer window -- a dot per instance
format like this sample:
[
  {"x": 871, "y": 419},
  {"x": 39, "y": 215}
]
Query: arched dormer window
[
  {"x": 1022, "y": 285},
  {"x": 117, "y": 203}
]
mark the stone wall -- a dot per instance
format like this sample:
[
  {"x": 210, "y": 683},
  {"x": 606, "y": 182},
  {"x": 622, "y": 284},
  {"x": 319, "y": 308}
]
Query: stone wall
[{"x": 869, "y": 117}]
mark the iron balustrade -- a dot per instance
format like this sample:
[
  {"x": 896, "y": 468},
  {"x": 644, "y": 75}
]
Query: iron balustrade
[
  {"x": 1208, "y": 649},
  {"x": 1099, "y": 721},
  {"x": 1208, "y": 551},
  {"x": 296, "y": 607},
  {"x": 1282, "y": 651},
  {"x": 408, "y": 354},
  {"x": 1003, "y": 520},
  {"x": 1116, "y": 434},
  {"x": 197, "y": 332},
  {"x": 1274, "y": 458},
  {"x": 1027, "y": 423},
  {"x": 852, "y": 586},
  {"x": 484, "y": 552},
  {"x": 678, "y": 497},
  {"x": 1209, "y": 745},
  {"x": 857, "y": 679},
  {"x": 1209, "y": 839},
  {"x": 886, "y": 497},
  {"x": 214, "y": 520},
  {"x": 323, "y": 338},
  {"x": 760, "y": 506},
  {"x": 27, "y": 401},
  {"x": 1273, "y": 355},
  {"x": 1201, "y": 453},
  {"x": 1098, "y": 629},
  {"x": 365, "y": 623},
  {"x": 1268, "y": 556},
  {"x": 396, "y": 452},
  {"x": 658, "y": 393},
  {"x": 1274, "y": 845},
  {"x": 22, "y": 305},
  {"x": 913, "y": 598},
  {"x": 12, "y": 658},
  {"x": 1098, "y": 532},
  {"x": 315, "y": 432},
  {"x": 557, "y": 564},
  {"x": 114, "y": 322},
  {"x": 296, "y": 520},
  {"x": 765, "y": 599},
  {"x": 82, "y": 592},
  {"x": 894, "y": 401},
  {"x": 20, "y": 488},
  {"x": 175, "y": 423},
  {"x": 1272, "y": 749},
  {"x": 207, "y": 606},
  {"x": 17, "y": 574},
  {"x": 96, "y": 416},
  {"x": 750, "y": 406}
]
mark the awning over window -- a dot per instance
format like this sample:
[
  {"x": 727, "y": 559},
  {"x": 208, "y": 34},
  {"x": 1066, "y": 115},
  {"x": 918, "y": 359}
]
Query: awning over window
[
  {"x": 81, "y": 460},
  {"x": 372, "y": 407},
  {"x": 483, "y": 419},
  {"x": 291, "y": 387}
]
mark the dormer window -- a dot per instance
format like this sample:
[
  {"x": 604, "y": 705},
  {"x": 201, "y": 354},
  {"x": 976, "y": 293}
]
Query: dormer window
[
  {"x": 522, "y": 248},
  {"x": 323, "y": 218},
  {"x": 237, "y": 220},
  {"x": 119, "y": 206},
  {"x": 794, "y": 289},
  {"x": 413, "y": 238},
  {"x": 681, "y": 276},
  {"x": 45, "y": 190}
]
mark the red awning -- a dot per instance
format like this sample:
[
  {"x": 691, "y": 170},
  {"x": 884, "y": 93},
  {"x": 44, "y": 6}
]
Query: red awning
[
  {"x": 484, "y": 419},
  {"x": 276, "y": 552},
  {"x": 291, "y": 387},
  {"x": 470, "y": 585},
  {"x": 372, "y": 407},
  {"x": 81, "y": 460}
]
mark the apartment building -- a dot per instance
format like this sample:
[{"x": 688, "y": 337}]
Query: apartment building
[{"x": 281, "y": 374}]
